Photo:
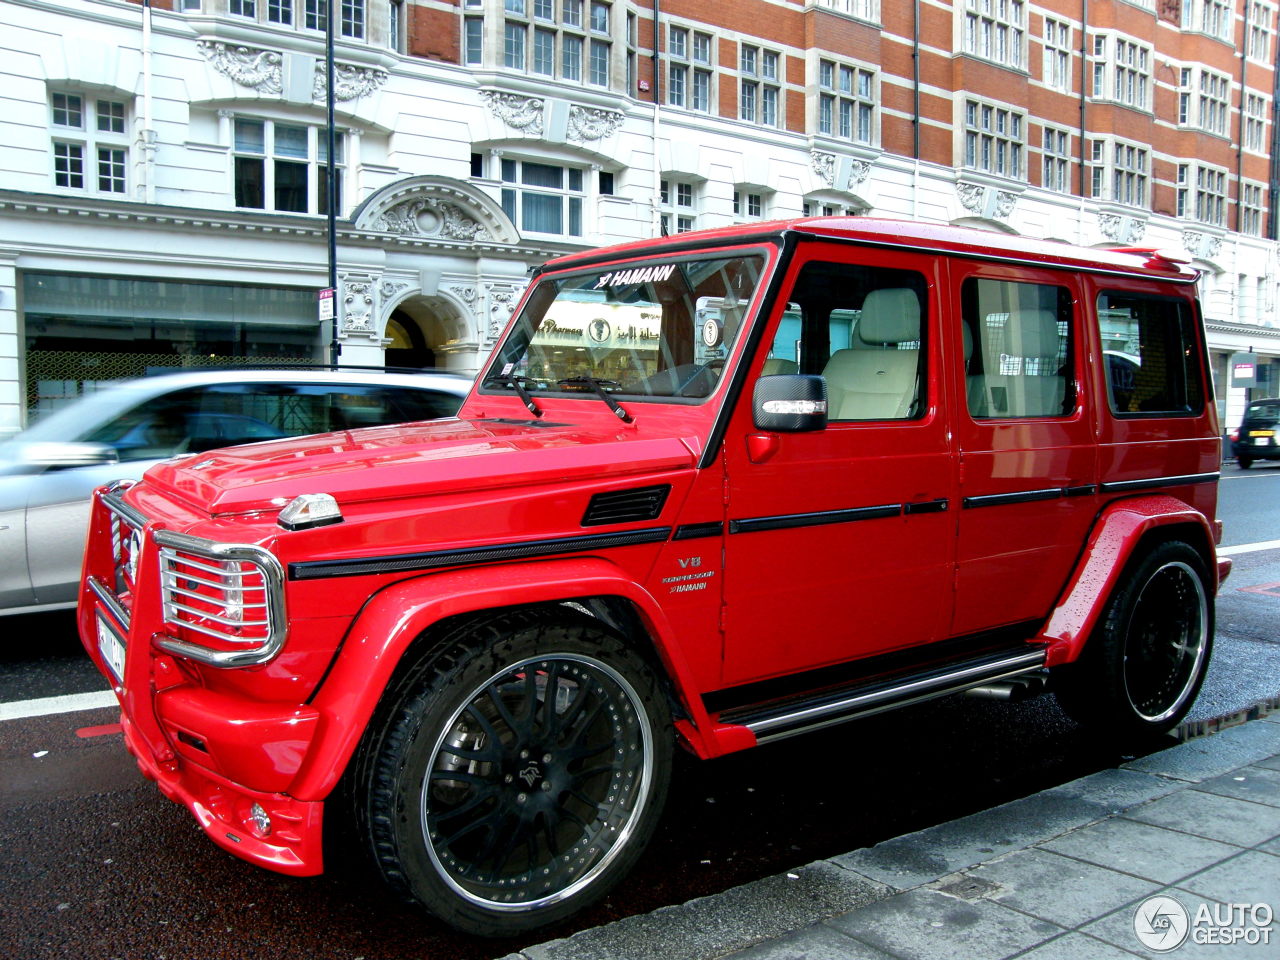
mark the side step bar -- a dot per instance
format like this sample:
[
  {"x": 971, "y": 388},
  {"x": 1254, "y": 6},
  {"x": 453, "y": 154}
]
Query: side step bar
[{"x": 828, "y": 708}]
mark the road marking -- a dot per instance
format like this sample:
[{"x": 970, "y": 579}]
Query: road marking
[
  {"x": 1270, "y": 589},
  {"x": 1248, "y": 548},
  {"x": 22, "y": 709},
  {"x": 84, "y": 733}
]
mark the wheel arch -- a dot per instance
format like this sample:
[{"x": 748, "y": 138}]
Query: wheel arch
[
  {"x": 1124, "y": 530},
  {"x": 405, "y": 622}
]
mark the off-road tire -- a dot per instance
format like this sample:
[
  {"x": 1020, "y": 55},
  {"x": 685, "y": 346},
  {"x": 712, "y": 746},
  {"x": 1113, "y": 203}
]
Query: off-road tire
[
  {"x": 496, "y": 814},
  {"x": 1146, "y": 659}
]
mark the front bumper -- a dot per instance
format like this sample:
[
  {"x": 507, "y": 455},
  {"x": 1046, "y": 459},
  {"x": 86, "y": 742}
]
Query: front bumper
[{"x": 229, "y": 759}]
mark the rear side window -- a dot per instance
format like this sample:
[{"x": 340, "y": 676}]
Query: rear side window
[
  {"x": 1017, "y": 349},
  {"x": 1153, "y": 362}
]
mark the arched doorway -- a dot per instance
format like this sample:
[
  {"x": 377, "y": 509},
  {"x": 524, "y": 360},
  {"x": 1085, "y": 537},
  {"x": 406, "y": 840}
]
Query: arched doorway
[
  {"x": 426, "y": 332},
  {"x": 407, "y": 347}
]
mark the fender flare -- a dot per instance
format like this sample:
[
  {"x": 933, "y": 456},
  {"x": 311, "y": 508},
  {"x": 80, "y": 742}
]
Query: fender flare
[
  {"x": 394, "y": 617},
  {"x": 1115, "y": 538}
]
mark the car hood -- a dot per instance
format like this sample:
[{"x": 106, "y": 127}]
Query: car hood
[{"x": 434, "y": 457}]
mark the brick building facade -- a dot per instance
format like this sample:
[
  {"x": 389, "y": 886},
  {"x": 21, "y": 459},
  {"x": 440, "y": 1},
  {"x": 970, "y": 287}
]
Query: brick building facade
[{"x": 164, "y": 166}]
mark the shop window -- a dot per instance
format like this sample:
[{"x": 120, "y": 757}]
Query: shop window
[{"x": 282, "y": 166}]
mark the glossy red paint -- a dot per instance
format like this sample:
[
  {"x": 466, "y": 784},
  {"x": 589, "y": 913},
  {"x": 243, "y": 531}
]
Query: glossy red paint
[{"x": 774, "y": 554}]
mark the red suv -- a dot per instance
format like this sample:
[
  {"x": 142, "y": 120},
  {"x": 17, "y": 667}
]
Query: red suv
[{"x": 710, "y": 491}]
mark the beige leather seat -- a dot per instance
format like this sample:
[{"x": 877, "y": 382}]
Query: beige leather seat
[
  {"x": 878, "y": 380},
  {"x": 1036, "y": 386},
  {"x": 777, "y": 365}
]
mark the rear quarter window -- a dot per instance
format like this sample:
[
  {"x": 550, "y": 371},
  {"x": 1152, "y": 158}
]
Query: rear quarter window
[{"x": 1152, "y": 355}]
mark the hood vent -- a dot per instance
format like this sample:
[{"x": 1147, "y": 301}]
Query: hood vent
[{"x": 626, "y": 506}]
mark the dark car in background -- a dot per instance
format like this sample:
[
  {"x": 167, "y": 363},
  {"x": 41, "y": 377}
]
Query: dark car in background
[
  {"x": 48, "y": 471},
  {"x": 1258, "y": 437}
]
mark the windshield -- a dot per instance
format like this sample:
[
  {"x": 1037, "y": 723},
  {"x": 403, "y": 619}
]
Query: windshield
[{"x": 651, "y": 329}]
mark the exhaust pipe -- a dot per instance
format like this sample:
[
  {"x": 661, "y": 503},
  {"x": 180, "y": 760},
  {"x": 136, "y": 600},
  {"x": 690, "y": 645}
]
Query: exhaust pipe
[{"x": 1014, "y": 689}]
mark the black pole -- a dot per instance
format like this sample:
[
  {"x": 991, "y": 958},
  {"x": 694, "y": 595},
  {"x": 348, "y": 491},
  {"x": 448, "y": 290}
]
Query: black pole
[{"x": 331, "y": 186}]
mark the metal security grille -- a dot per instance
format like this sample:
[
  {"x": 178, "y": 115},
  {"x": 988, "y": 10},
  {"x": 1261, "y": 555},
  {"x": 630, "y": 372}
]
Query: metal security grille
[{"x": 57, "y": 377}]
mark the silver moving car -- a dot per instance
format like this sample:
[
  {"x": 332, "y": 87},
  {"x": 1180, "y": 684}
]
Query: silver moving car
[{"x": 48, "y": 471}]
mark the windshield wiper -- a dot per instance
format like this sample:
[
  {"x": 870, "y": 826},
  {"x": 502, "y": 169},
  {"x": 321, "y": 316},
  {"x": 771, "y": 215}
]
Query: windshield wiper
[
  {"x": 598, "y": 385},
  {"x": 517, "y": 384}
]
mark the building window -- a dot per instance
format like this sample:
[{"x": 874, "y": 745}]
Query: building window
[
  {"x": 473, "y": 41},
  {"x": 350, "y": 22},
  {"x": 395, "y": 26},
  {"x": 1202, "y": 194},
  {"x": 1057, "y": 160},
  {"x": 1121, "y": 71},
  {"x": 846, "y": 102},
  {"x": 535, "y": 41},
  {"x": 1251, "y": 209},
  {"x": 1261, "y": 26},
  {"x": 819, "y": 208},
  {"x": 994, "y": 30},
  {"x": 1213, "y": 17},
  {"x": 89, "y": 145},
  {"x": 1255, "y": 122},
  {"x": 282, "y": 166},
  {"x": 1057, "y": 54},
  {"x": 678, "y": 213},
  {"x": 868, "y": 10},
  {"x": 759, "y": 93},
  {"x": 1204, "y": 100},
  {"x": 1119, "y": 172},
  {"x": 689, "y": 69},
  {"x": 993, "y": 139},
  {"x": 748, "y": 204},
  {"x": 543, "y": 197}
]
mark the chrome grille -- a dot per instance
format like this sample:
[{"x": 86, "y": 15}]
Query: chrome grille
[{"x": 223, "y": 602}]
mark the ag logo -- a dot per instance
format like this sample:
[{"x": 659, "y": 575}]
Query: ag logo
[{"x": 1161, "y": 923}]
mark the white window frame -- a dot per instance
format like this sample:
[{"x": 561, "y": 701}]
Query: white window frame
[
  {"x": 995, "y": 139},
  {"x": 679, "y": 202},
  {"x": 575, "y": 194},
  {"x": 1122, "y": 71},
  {"x": 1252, "y": 207},
  {"x": 1057, "y": 53},
  {"x": 544, "y": 39},
  {"x": 302, "y": 15},
  {"x": 996, "y": 31},
  {"x": 868, "y": 10},
  {"x": 1214, "y": 18},
  {"x": 89, "y": 143},
  {"x": 759, "y": 85},
  {"x": 1255, "y": 122},
  {"x": 690, "y": 68},
  {"x": 1204, "y": 100},
  {"x": 750, "y": 203},
  {"x": 1056, "y": 159},
  {"x": 1202, "y": 193},
  {"x": 1262, "y": 18},
  {"x": 273, "y": 153},
  {"x": 846, "y": 104}
]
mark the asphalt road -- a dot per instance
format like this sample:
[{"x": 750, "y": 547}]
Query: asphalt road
[{"x": 95, "y": 863}]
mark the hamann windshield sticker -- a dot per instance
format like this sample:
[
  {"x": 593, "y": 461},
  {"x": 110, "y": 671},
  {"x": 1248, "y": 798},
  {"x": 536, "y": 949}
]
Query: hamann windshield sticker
[{"x": 637, "y": 275}]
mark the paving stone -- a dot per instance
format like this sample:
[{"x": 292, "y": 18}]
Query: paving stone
[
  {"x": 1209, "y": 757},
  {"x": 1271, "y": 846},
  {"x": 1249, "y": 878},
  {"x": 1146, "y": 851},
  {"x": 928, "y": 925},
  {"x": 1117, "y": 929},
  {"x": 927, "y": 855},
  {"x": 1271, "y": 763},
  {"x": 1117, "y": 789},
  {"x": 1248, "y": 783},
  {"x": 1059, "y": 889},
  {"x": 819, "y": 942},
  {"x": 1076, "y": 946},
  {"x": 717, "y": 925},
  {"x": 1239, "y": 822}
]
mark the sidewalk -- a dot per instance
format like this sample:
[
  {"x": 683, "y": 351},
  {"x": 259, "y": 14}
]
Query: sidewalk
[{"x": 1059, "y": 875}]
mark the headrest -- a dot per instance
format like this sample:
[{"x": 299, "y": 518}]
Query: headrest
[
  {"x": 890, "y": 316},
  {"x": 1032, "y": 334}
]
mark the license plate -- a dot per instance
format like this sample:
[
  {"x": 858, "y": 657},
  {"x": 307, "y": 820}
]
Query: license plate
[
  {"x": 111, "y": 646},
  {"x": 1262, "y": 433}
]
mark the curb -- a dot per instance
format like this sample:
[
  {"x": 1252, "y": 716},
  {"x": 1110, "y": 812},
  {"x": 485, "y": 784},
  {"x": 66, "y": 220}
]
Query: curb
[{"x": 739, "y": 918}]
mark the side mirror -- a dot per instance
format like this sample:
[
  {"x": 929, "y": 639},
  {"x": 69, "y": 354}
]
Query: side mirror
[
  {"x": 55, "y": 455},
  {"x": 790, "y": 403}
]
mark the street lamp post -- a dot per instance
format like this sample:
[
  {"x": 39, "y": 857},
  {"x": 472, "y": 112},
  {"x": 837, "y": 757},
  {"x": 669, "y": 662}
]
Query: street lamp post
[{"x": 330, "y": 183}]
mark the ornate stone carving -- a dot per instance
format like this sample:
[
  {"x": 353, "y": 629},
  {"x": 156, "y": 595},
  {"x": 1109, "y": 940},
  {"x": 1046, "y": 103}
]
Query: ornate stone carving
[
  {"x": 986, "y": 201},
  {"x": 357, "y": 306},
  {"x": 466, "y": 292},
  {"x": 1201, "y": 244},
  {"x": 248, "y": 66},
  {"x": 423, "y": 217},
  {"x": 1005, "y": 202},
  {"x": 587, "y": 123},
  {"x": 972, "y": 196},
  {"x": 520, "y": 113},
  {"x": 824, "y": 165},
  {"x": 390, "y": 289},
  {"x": 262, "y": 70},
  {"x": 502, "y": 301},
  {"x": 349, "y": 81},
  {"x": 1119, "y": 229}
]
